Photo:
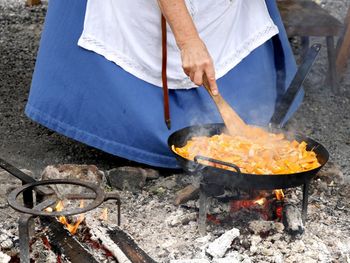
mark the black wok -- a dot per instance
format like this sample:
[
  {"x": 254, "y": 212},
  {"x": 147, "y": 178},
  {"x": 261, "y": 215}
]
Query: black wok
[{"x": 221, "y": 177}]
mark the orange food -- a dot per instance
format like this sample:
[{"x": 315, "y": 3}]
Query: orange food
[{"x": 266, "y": 154}]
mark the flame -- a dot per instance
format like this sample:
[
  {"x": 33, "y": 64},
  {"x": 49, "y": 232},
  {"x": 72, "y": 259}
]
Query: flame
[
  {"x": 261, "y": 201},
  {"x": 104, "y": 215},
  {"x": 72, "y": 228},
  {"x": 279, "y": 194},
  {"x": 239, "y": 204}
]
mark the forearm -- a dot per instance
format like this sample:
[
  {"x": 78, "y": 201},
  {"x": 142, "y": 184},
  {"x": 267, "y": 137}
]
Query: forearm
[{"x": 179, "y": 19}]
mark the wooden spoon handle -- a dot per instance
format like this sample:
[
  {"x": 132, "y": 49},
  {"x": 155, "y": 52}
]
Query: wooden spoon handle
[{"x": 234, "y": 124}]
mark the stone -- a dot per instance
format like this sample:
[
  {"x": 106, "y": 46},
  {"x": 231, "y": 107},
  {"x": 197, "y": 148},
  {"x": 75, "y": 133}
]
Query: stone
[
  {"x": 190, "y": 261},
  {"x": 87, "y": 173},
  {"x": 6, "y": 244},
  {"x": 151, "y": 174},
  {"x": 182, "y": 219},
  {"x": 247, "y": 260},
  {"x": 4, "y": 258},
  {"x": 277, "y": 258},
  {"x": 219, "y": 246},
  {"x": 226, "y": 260},
  {"x": 190, "y": 192},
  {"x": 127, "y": 178},
  {"x": 168, "y": 183},
  {"x": 265, "y": 227}
]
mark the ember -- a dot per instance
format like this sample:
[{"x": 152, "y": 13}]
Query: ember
[
  {"x": 269, "y": 206},
  {"x": 279, "y": 194}
]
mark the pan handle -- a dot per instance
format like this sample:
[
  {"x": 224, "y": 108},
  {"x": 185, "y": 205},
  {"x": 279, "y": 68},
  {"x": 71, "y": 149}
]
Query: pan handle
[
  {"x": 199, "y": 157},
  {"x": 283, "y": 105}
]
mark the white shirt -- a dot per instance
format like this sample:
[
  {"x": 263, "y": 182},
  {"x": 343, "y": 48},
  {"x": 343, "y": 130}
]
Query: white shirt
[{"x": 128, "y": 33}]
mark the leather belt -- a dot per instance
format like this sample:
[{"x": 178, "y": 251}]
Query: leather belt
[{"x": 164, "y": 75}]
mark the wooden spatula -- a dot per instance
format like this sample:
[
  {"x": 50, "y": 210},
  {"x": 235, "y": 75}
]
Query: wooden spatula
[{"x": 234, "y": 124}]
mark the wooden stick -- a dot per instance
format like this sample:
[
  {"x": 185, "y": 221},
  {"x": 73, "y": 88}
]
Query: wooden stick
[{"x": 234, "y": 124}]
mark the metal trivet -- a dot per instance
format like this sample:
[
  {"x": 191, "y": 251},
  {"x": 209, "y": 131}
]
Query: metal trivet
[{"x": 98, "y": 196}]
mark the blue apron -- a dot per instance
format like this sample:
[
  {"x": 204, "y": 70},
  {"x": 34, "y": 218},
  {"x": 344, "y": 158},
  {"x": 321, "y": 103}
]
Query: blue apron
[{"x": 81, "y": 95}]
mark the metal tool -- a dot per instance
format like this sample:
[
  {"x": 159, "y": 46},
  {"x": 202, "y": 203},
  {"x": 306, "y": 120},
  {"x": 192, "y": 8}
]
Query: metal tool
[{"x": 283, "y": 105}]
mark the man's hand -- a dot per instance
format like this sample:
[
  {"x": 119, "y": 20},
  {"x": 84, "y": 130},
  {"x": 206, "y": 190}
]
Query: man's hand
[{"x": 197, "y": 62}]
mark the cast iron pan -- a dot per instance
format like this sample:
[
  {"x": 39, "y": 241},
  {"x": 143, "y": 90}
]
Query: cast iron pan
[{"x": 218, "y": 176}]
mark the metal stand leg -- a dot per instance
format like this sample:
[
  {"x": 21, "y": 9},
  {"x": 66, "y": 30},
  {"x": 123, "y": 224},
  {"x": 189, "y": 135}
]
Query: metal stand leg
[
  {"x": 305, "y": 201},
  {"x": 115, "y": 196},
  {"x": 28, "y": 198},
  {"x": 202, "y": 226},
  {"x": 25, "y": 225},
  {"x": 23, "y": 229},
  {"x": 331, "y": 64}
]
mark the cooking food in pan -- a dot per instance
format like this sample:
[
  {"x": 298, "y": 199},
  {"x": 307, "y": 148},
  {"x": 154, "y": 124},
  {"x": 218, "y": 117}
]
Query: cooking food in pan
[{"x": 267, "y": 153}]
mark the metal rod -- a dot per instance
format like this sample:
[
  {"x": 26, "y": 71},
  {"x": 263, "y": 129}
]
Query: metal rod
[
  {"x": 80, "y": 196},
  {"x": 24, "y": 237},
  {"x": 119, "y": 216},
  {"x": 202, "y": 218},
  {"x": 115, "y": 196},
  {"x": 108, "y": 196},
  {"x": 25, "y": 178},
  {"x": 305, "y": 201},
  {"x": 28, "y": 197},
  {"x": 24, "y": 223}
]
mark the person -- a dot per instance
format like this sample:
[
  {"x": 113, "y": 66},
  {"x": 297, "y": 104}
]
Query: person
[{"x": 97, "y": 77}]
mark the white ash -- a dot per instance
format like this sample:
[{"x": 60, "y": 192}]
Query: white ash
[
  {"x": 219, "y": 246},
  {"x": 98, "y": 234},
  {"x": 40, "y": 253},
  {"x": 190, "y": 261},
  {"x": 258, "y": 227},
  {"x": 181, "y": 219},
  {"x": 4, "y": 258},
  {"x": 8, "y": 238}
]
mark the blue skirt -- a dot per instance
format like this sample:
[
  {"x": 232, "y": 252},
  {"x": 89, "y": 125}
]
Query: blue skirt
[{"x": 80, "y": 94}]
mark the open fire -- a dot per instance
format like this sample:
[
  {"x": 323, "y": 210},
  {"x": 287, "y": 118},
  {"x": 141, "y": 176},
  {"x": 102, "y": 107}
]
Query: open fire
[
  {"x": 73, "y": 224},
  {"x": 268, "y": 205},
  {"x": 72, "y": 227}
]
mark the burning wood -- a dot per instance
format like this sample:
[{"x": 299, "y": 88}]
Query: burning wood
[
  {"x": 119, "y": 243},
  {"x": 64, "y": 244},
  {"x": 279, "y": 194},
  {"x": 190, "y": 192},
  {"x": 72, "y": 228},
  {"x": 268, "y": 204},
  {"x": 292, "y": 219}
]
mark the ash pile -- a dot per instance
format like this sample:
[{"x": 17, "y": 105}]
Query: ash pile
[{"x": 159, "y": 214}]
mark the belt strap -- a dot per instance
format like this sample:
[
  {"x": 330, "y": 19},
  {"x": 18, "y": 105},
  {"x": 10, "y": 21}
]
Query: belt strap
[{"x": 164, "y": 75}]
